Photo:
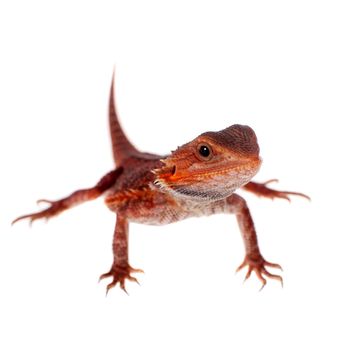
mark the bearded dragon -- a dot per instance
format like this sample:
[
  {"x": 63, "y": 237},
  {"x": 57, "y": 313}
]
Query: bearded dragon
[{"x": 197, "y": 179}]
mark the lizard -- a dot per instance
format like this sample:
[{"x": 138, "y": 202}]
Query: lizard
[{"x": 199, "y": 178}]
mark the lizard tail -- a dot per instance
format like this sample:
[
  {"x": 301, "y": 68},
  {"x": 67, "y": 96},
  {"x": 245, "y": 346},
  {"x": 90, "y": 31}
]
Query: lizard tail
[{"x": 121, "y": 146}]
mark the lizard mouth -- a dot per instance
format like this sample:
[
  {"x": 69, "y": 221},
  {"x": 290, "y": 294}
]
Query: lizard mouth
[
  {"x": 207, "y": 183},
  {"x": 191, "y": 174}
]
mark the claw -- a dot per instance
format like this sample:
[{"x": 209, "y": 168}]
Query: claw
[
  {"x": 284, "y": 194},
  {"x": 276, "y": 266},
  {"x": 55, "y": 208},
  {"x": 119, "y": 275},
  {"x": 272, "y": 276},
  {"x": 270, "y": 181},
  {"x": 257, "y": 264},
  {"x": 31, "y": 217},
  {"x": 261, "y": 278},
  {"x": 133, "y": 279},
  {"x": 240, "y": 267},
  {"x": 137, "y": 270},
  {"x": 250, "y": 269},
  {"x": 46, "y": 201},
  {"x": 104, "y": 275}
]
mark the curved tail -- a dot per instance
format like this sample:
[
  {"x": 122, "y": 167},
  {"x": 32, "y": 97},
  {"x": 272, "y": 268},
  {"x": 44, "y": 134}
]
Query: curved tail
[{"x": 121, "y": 146}]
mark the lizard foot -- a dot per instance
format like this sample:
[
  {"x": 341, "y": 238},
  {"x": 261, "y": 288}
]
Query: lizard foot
[
  {"x": 55, "y": 208},
  {"x": 119, "y": 275},
  {"x": 258, "y": 264},
  {"x": 262, "y": 190}
]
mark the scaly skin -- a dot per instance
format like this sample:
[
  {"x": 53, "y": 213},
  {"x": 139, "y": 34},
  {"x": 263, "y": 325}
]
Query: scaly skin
[{"x": 197, "y": 179}]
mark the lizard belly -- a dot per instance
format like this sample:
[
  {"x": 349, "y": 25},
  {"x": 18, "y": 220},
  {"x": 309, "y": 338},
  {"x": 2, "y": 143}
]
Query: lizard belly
[{"x": 147, "y": 206}]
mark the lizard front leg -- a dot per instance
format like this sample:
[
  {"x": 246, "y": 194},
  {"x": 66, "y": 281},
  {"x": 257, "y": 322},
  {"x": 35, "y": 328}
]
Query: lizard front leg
[
  {"x": 77, "y": 197},
  {"x": 253, "y": 258},
  {"x": 262, "y": 190},
  {"x": 120, "y": 270}
]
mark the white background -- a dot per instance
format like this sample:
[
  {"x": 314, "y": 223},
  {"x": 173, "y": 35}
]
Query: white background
[{"x": 183, "y": 68}]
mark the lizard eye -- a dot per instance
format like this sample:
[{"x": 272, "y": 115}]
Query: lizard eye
[{"x": 204, "y": 151}]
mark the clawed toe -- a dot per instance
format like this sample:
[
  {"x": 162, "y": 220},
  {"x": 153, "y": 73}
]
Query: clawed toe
[
  {"x": 269, "y": 182},
  {"x": 46, "y": 201},
  {"x": 31, "y": 217},
  {"x": 258, "y": 265},
  {"x": 276, "y": 266},
  {"x": 262, "y": 190},
  {"x": 55, "y": 208},
  {"x": 119, "y": 275}
]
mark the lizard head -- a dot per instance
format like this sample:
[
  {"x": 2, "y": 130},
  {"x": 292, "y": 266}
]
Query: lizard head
[{"x": 212, "y": 166}]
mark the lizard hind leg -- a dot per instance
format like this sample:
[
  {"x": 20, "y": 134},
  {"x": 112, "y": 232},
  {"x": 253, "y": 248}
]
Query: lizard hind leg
[
  {"x": 77, "y": 197},
  {"x": 120, "y": 270}
]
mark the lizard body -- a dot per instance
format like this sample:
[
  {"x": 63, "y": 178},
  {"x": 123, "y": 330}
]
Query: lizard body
[{"x": 197, "y": 179}]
